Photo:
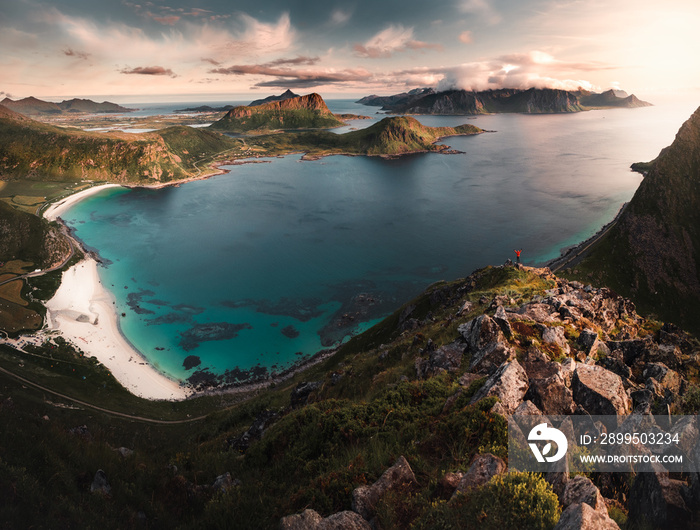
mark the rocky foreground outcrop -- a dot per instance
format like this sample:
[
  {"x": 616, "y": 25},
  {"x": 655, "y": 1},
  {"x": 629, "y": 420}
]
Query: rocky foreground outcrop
[{"x": 572, "y": 350}]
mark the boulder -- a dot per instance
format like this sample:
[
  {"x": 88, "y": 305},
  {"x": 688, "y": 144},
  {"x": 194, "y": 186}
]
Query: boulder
[
  {"x": 306, "y": 520},
  {"x": 501, "y": 318},
  {"x": 100, "y": 483},
  {"x": 346, "y": 520},
  {"x": 555, "y": 335},
  {"x": 599, "y": 391},
  {"x": 548, "y": 389},
  {"x": 509, "y": 384},
  {"x": 300, "y": 395},
  {"x": 657, "y": 499},
  {"x": 579, "y": 490},
  {"x": 588, "y": 342},
  {"x": 365, "y": 498},
  {"x": 583, "y": 517},
  {"x": 669, "y": 381},
  {"x": 446, "y": 358},
  {"x": 482, "y": 469},
  {"x": 486, "y": 343}
]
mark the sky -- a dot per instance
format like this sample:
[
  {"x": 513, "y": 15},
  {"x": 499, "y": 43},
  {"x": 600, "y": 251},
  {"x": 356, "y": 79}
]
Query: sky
[{"x": 218, "y": 49}]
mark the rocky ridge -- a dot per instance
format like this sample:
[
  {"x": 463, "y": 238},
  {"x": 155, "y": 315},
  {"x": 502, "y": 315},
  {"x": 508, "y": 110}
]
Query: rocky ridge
[{"x": 573, "y": 349}]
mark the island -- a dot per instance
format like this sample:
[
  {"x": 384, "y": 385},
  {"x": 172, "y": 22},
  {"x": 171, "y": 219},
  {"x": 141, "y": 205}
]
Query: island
[{"x": 506, "y": 100}]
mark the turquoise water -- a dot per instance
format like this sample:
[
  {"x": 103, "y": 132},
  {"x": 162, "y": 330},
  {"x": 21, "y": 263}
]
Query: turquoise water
[{"x": 272, "y": 262}]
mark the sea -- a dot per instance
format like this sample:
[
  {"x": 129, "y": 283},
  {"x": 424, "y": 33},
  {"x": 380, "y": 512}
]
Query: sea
[{"x": 251, "y": 272}]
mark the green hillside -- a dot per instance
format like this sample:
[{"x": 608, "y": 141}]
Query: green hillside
[
  {"x": 37, "y": 151},
  {"x": 389, "y": 137}
]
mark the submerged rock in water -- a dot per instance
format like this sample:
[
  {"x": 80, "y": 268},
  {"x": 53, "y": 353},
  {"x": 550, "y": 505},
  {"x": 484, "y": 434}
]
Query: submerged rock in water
[{"x": 210, "y": 331}]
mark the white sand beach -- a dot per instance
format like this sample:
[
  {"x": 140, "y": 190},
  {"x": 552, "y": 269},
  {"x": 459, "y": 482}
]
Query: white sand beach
[
  {"x": 84, "y": 312},
  {"x": 56, "y": 209}
]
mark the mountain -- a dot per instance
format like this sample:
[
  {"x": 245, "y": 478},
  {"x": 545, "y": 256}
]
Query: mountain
[
  {"x": 531, "y": 101},
  {"x": 652, "y": 253},
  {"x": 288, "y": 94},
  {"x": 300, "y": 112},
  {"x": 32, "y": 106},
  {"x": 612, "y": 98},
  {"x": 391, "y": 136},
  {"x": 398, "y": 99},
  {"x": 38, "y": 151}
]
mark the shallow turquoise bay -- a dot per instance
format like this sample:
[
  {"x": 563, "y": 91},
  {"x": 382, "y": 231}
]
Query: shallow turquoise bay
[{"x": 264, "y": 257}]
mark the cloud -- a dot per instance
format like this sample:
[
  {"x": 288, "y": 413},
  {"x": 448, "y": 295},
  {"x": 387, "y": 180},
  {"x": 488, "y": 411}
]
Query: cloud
[
  {"x": 393, "y": 39},
  {"x": 211, "y": 61},
  {"x": 480, "y": 9},
  {"x": 149, "y": 70},
  {"x": 169, "y": 20},
  {"x": 520, "y": 70},
  {"x": 6, "y": 95},
  {"x": 466, "y": 37},
  {"x": 295, "y": 61},
  {"x": 73, "y": 53},
  {"x": 340, "y": 17}
]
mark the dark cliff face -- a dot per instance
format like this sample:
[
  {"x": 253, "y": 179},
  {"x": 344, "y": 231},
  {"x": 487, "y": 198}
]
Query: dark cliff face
[
  {"x": 531, "y": 101},
  {"x": 652, "y": 254}
]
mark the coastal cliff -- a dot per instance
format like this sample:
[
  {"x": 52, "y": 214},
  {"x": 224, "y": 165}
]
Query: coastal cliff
[
  {"x": 530, "y": 101},
  {"x": 652, "y": 254}
]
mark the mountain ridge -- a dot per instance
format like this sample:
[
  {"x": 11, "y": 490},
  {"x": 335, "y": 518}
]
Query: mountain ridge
[
  {"x": 32, "y": 106},
  {"x": 506, "y": 100}
]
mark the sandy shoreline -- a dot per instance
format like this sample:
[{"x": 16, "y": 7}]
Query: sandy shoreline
[
  {"x": 84, "y": 312},
  {"x": 58, "y": 208}
]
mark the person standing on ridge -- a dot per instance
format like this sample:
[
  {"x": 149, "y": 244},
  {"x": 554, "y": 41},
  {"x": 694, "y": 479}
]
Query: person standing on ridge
[{"x": 517, "y": 254}]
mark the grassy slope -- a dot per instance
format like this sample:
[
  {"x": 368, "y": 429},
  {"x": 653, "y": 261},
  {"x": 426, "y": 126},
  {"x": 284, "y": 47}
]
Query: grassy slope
[
  {"x": 37, "y": 151},
  {"x": 369, "y": 411},
  {"x": 652, "y": 255},
  {"x": 390, "y": 136}
]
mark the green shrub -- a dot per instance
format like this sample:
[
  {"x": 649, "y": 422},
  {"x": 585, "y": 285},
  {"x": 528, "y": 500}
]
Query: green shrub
[{"x": 513, "y": 500}]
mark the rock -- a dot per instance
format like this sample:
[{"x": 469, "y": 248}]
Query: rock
[
  {"x": 589, "y": 342},
  {"x": 300, "y": 395},
  {"x": 599, "y": 391},
  {"x": 100, "y": 483},
  {"x": 446, "y": 358},
  {"x": 583, "y": 517},
  {"x": 223, "y": 482},
  {"x": 501, "y": 318},
  {"x": 669, "y": 381},
  {"x": 579, "y": 490},
  {"x": 509, "y": 384},
  {"x": 346, "y": 520},
  {"x": 306, "y": 520},
  {"x": 365, "y": 498},
  {"x": 482, "y": 469},
  {"x": 254, "y": 432},
  {"x": 486, "y": 343},
  {"x": 657, "y": 499},
  {"x": 555, "y": 335},
  {"x": 449, "y": 482},
  {"x": 548, "y": 389},
  {"x": 125, "y": 452},
  {"x": 466, "y": 307},
  {"x": 537, "y": 312}
]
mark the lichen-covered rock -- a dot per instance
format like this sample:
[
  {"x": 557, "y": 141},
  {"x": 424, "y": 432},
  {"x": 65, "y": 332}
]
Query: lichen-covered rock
[
  {"x": 599, "y": 391},
  {"x": 486, "y": 343},
  {"x": 482, "y": 469},
  {"x": 365, "y": 498},
  {"x": 100, "y": 484},
  {"x": 579, "y": 490},
  {"x": 345, "y": 520},
  {"x": 548, "y": 390},
  {"x": 306, "y": 520},
  {"x": 583, "y": 517},
  {"x": 555, "y": 335},
  {"x": 446, "y": 358},
  {"x": 509, "y": 384}
]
